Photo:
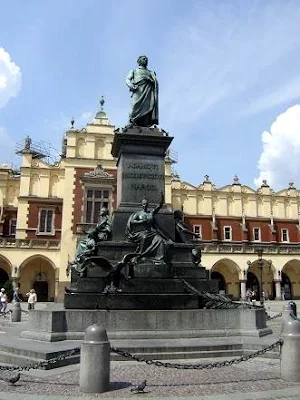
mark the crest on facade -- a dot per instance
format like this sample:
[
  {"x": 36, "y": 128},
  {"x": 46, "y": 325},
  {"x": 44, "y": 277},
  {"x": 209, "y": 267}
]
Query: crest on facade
[{"x": 98, "y": 172}]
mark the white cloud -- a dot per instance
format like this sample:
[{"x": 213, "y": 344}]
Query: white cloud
[
  {"x": 279, "y": 162},
  {"x": 10, "y": 78}
]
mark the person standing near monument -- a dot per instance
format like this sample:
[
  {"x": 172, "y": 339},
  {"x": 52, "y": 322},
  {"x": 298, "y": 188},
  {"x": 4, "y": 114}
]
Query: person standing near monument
[
  {"x": 32, "y": 299},
  {"x": 3, "y": 301},
  {"x": 144, "y": 88}
]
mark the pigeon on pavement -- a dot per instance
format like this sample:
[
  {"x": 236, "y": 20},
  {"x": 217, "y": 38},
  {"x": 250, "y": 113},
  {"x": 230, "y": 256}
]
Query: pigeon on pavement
[
  {"x": 14, "y": 379},
  {"x": 140, "y": 387}
]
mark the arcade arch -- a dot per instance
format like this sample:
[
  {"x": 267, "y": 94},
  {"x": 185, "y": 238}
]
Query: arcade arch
[
  {"x": 227, "y": 272},
  {"x": 5, "y": 270},
  {"x": 290, "y": 280},
  {"x": 254, "y": 276},
  {"x": 38, "y": 272}
]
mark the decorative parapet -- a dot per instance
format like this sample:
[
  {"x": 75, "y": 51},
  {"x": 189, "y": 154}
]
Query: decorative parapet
[
  {"x": 48, "y": 244},
  {"x": 236, "y": 248}
]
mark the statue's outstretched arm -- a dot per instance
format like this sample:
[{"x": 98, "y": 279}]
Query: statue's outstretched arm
[
  {"x": 129, "y": 81},
  {"x": 155, "y": 211}
]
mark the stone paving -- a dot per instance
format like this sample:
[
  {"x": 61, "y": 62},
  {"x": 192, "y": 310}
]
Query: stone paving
[
  {"x": 258, "y": 378},
  {"x": 246, "y": 377}
]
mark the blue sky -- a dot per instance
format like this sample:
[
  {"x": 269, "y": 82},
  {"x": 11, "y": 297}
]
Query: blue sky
[{"x": 228, "y": 72}]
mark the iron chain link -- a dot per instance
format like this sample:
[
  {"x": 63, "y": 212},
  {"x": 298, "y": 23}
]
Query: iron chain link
[{"x": 217, "y": 364}]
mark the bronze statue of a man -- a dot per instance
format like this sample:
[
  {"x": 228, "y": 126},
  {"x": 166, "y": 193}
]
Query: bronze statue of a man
[{"x": 144, "y": 92}]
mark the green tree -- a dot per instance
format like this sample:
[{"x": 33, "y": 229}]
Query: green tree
[{"x": 9, "y": 290}]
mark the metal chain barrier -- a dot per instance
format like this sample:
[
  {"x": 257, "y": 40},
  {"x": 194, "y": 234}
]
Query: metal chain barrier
[
  {"x": 268, "y": 317},
  {"x": 217, "y": 364},
  {"x": 40, "y": 363},
  {"x": 123, "y": 353}
]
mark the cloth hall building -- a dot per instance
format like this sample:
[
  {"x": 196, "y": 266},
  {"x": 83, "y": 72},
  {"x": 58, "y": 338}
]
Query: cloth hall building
[{"x": 44, "y": 208}]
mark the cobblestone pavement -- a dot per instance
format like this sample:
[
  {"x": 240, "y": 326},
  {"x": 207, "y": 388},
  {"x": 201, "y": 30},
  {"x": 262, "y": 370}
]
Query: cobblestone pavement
[{"x": 251, "y": 376}]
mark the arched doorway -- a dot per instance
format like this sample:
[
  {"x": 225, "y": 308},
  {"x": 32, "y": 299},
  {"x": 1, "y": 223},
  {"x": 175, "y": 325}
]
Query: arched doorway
[
  {"x": 221, "y": 281},
  {"x": 226, "y": 272},
  {"x": 253, "y": 284},
  {"x": 3, "y": 277},
  {"x": 286, "y": 286},
  {"x": 290, "y": 285},
  {"x": 38, "y": 273}
]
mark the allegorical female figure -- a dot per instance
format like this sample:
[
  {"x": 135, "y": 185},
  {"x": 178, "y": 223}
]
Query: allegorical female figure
[
  {"x": 141, "y": 230},
  {"x": 87, "y": 247},
  {"x": 144, "y": 88}
]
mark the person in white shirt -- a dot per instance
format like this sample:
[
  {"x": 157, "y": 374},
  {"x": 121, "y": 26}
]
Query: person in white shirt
[
  {"x": 3, "y": 301},
  {"x": 32, "y": 299}
]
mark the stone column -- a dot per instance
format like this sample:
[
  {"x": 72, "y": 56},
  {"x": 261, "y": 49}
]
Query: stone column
[
  {"x": 243, "y": 289},
  {"x": 277, "y": 289},
  {"x": 290, "y": 351}
]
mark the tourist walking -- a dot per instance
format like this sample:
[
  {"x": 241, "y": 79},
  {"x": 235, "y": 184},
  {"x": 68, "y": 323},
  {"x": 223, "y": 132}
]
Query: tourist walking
[
  {"x": 249, "y": 295},
  {"x": 3, "y": 301},
  {"x": 32, "y": 299}
]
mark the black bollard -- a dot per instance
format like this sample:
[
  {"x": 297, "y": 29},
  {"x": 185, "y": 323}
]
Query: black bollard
[{"x": 293, "y": 306}]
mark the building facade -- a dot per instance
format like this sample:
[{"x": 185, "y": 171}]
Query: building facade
[{"x": 45, "y": 208}]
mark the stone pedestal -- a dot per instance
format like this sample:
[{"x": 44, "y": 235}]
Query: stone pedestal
[
  {"x": 141, "y": 174},
  {"x": 147, "y": 286}
]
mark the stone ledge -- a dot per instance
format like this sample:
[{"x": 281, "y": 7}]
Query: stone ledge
[{"x": 147, "y": 324}]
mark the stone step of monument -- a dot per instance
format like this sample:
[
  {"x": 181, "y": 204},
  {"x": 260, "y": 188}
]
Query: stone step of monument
[
  {"x": 179, "y": 343},
  {"x": 186, "y": 355},
  {"x": 179, "y": 348},
  {"x": 17, "y": 359},
  {"x": 7, "y": 323},
  {"x": 273, "y": 354}
]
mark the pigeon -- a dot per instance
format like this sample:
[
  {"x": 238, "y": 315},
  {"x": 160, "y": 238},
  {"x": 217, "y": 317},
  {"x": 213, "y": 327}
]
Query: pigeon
[
  {"x": 140, "y": 387},
  {"x": 14, "y": 379}
]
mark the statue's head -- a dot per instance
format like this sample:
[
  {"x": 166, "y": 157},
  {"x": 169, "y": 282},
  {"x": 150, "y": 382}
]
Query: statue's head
[
  {"x": 178, "y": 215},
  {"x": 144, "y": 204},
  {"x": 142, "y": 61},
  {"x": 103, "y": 211}
]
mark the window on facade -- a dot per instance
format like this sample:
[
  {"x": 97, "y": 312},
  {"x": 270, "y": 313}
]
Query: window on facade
[
  {"x": 198, "y": 229},
  {"x": 256, "y": 234},
  {"x": 284, "y": 235},
  {"x": 95, "y": 200},
  {"x": 227, "y": 233},
  {"x": 12, "y": 227},
  {"x": 46, "y": 221}
]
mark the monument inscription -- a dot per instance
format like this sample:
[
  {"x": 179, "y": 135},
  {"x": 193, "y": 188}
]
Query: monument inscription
[{"x": 141, "y": 177}]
